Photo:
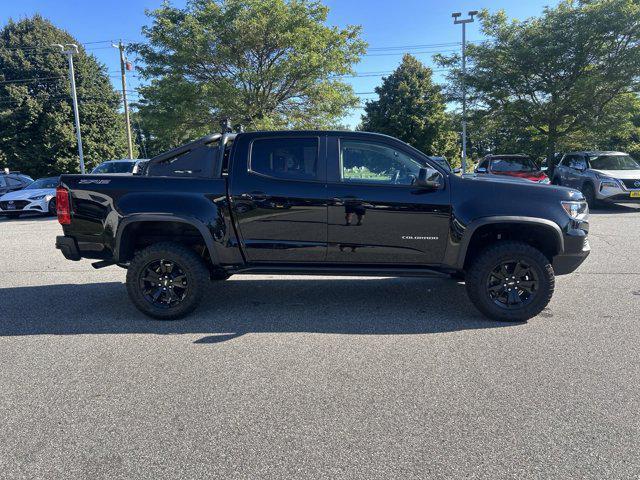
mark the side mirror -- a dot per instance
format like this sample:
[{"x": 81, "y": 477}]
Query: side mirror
[
  {"x": 428, "y": 178},
  {"x": 457, "y": 171},
  {"x": 481, "y": 170}
]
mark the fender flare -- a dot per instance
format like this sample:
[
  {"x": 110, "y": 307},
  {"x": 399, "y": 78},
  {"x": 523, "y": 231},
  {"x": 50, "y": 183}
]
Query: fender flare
[
  {"x": 481, "y": 222},
  {"x": 163, "y": 217}
]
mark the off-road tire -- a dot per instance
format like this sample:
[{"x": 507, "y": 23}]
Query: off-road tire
[
  {"x": 482, "y": 266},
  {"x": 189, "y": 262}
]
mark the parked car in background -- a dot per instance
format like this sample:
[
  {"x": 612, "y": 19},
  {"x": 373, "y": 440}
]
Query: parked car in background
[
  {"x": 125, "y": 166},
  {"x": 140, "y": 168},
  {"x": 37, "y": 197},
  {"x": 12, "y": 181},
  {"x": 518, "y": 166},
  {"x": 601, "y": 176}
]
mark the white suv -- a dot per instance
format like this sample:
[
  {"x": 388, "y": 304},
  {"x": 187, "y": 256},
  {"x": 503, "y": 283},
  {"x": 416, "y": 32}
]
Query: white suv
[{"x": 600, "y": 176}]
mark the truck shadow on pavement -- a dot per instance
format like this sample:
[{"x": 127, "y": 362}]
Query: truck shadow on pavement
[{"x": 375, "y": 306}]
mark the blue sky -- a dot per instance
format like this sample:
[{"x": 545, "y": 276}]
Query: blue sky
[{"x": 385, "y": 25}]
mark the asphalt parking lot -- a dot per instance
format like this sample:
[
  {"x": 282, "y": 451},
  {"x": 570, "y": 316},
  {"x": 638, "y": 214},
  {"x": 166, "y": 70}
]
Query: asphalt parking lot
[{"x": 317, "y": 377}]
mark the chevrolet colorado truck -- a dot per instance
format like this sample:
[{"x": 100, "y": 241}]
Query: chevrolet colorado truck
[{"x": 320, "y": 203}]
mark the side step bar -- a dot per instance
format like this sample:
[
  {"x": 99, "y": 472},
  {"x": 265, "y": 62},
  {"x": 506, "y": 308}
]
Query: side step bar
[{"x": 356, "y": 271}]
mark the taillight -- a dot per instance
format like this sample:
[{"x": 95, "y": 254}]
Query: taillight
[{"x": 63, "y": 207}]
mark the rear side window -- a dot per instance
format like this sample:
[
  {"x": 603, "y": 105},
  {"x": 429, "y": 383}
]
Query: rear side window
[{"x": 287, "y": 158}]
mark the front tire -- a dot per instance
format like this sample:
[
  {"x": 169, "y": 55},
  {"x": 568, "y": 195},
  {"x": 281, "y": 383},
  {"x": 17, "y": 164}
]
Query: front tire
[
  {"x": 51, "y": 207},
  {"x": 167, "y": 280},
  {"x": 510, "y": 281},
  {"x": 590, "y": 195}
]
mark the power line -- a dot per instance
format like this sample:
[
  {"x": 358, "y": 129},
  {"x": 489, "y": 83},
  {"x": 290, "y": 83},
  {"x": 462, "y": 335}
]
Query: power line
[
  {"x": 30, "y": 80},
  {"x": 405, "y": 47}
]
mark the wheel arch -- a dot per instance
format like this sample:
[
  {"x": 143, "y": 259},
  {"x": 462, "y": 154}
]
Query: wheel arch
[
  {"x": 539, "y": 232},
  {"x": 124, "y": 241}
]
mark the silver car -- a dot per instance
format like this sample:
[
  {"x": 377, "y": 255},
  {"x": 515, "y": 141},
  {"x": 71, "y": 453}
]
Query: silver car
[{"x": 601, "y": 176}]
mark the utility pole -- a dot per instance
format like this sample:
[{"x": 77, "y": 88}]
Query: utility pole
[
  {"x": 123, "y": 67},
  {"x": 70, "y": 49},
  {"x": 456, "y": 20}
]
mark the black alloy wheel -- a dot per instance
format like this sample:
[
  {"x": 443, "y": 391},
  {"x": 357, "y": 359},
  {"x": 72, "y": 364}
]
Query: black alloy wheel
[
  {"x": 512, "y": 284},
  {"x": 510, "y": 281},
  {"x": 163, "y": 283},
  {"x": 167, "y": 280}
]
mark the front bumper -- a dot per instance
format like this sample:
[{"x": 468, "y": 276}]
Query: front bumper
[
  {"x": 576, "y": 248},
  {"x": 69, "y": 247},
  {"x": 8, "y": 207},
  {"x": 620, "y": 198},
  {"x": 619, "y": 194}
]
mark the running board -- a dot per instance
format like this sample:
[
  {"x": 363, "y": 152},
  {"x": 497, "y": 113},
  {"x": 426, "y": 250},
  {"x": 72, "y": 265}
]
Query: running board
[{"x": 355, "y": 271}]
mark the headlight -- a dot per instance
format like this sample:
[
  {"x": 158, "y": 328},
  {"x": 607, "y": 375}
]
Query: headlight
[
  {"x": 38, "y": 197},
  {"x": 576, "y": 210},
  {"x": 609, "y": 183}
]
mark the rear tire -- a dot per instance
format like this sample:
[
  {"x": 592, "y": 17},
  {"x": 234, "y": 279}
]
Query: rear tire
[
  {"x": 515, "y": 264},
  {"x": 167, "y": 280}
]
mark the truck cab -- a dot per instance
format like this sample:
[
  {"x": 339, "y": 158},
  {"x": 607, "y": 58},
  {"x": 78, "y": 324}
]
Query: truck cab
[{"x": 320, "y": 202}]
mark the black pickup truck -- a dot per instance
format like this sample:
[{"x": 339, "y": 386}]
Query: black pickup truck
[{"x": 323, "y": 203}]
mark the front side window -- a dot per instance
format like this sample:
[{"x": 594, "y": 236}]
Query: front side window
[
  {"x": 3, "y": 183},
  {"x": 578, "y": 163},
  {"x": 365, "y": 162},
  {"x": 483, "y": 164},
  {"x": 286, "y": 158}
]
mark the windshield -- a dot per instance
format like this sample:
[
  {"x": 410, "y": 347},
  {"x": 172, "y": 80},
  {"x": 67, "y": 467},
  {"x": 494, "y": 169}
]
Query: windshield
[
  {"x": 613, "y": 162},
  {"x": 513, "y": 165},
  {"x": 114, "y": 167},
  {"x": 43, "y": 183}
]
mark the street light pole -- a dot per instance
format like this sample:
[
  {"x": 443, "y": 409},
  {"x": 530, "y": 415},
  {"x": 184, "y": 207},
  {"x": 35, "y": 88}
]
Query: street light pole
[
  {"x": 70, "y": 49},
  {"x": 456, "y": 20},
  {"x": 120, "y": 46}
]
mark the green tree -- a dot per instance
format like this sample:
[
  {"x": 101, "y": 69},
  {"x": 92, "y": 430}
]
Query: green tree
[
  {"x": 264, "y": 63},
  {"x": 555, "y": 75},
  {"x": 412, "y": 108},
  {"x": 37, "y": 134}
]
